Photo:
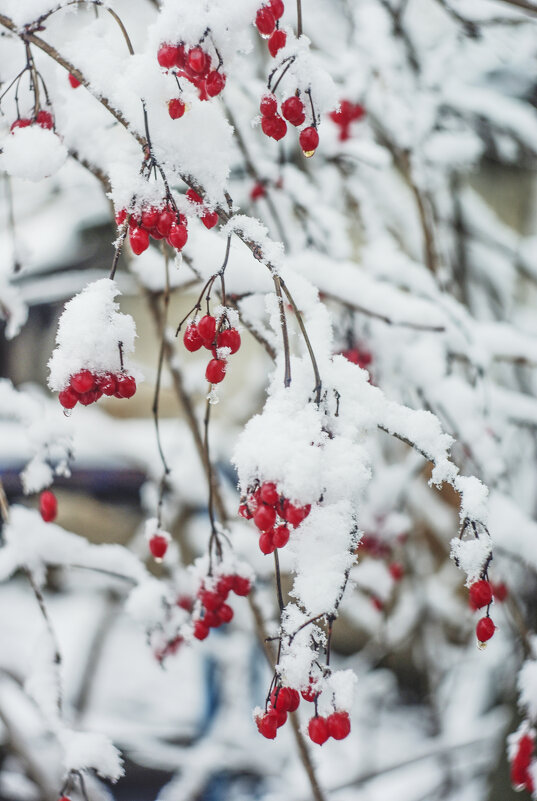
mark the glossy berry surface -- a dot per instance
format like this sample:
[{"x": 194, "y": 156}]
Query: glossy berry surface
[
  {"x": 274, "y": 127},
  {"x": 293, "y": 110},
  {"x": 485, "y": 629},
  {"x": 277, "y": 40},
  {"x": 207, "y": 328},
  {"x": 48, "y": 506},
  {"x": 308, "y": 139},
  {"x": 158, "y": 545},
  {"x": 139, "y": 240},
  {"x": 480, "y": 594},
  {"x": 197, "y": 60},
  {"x": 241, "y": 585},
  {"x": 191, "y": 338},
  {"x": 264, "y": 517},
  {"x": 125, "y": 386},
  {"x": 176, "y": 108},
  {"x": 318, "y": 730},
  {"x": 201, "y": 630},
  {"x": 265, "y": 21},
  {"x": 229, "y": 338},
  {"x": 82, "y": 381},
  {"x": 214, "y": 83},
  {"x": 268, "y": 106},
  {"x": 216, "y": 371},
  {"x": 267, "y": 726},
  {"x": 277, "y": 7},
  {"x": 339, "y": 725},
  {"x": 178, "y": 236},
  {"x": 166, "y": 56}
]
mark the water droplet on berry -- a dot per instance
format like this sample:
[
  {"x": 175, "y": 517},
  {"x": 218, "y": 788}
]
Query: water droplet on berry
[{"x": 308, "y": 153}]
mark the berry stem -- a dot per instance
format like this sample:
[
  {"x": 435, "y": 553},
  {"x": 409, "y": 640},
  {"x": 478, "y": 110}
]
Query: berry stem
[
  {"x": 298, "y": 18},
  {"x": 318, "y": 382},
  {"x": 156, "y": 398},
  {"x": 278, "y": 283},
  {"x": 278, "y": 580}
]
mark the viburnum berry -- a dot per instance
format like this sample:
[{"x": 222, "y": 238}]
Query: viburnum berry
[
  {"x": 266, "y": 543},
  {"x": 22, "y": 122},
  {"x": 264, "y": 517},
  {"x": 275, "y": 127},
  {"x": 197, "y": 60},
  {"x": 191, "y": 338},
  {"x": 178, "y": 236},
  {"x": 280, "y": 537},
  {"x": 82, "y": 381},
  {"x": 318, "y": 730},
  {"x": 265, "y": 21},
  {"x": 207, "y": 328},
  {"x": 165, "y": 221},
  {"x": 480, "y": 594},
  {"x": 241, "y": 586},
  {"x": 244, "y": 511},
  {"x": 126, "y": 386},
  {"x": 295, "y": 514},
  {"x": 158, "y": 545},
  {"x": 397, "y": 571},
  {"x": 520, "y": 775},
  {"x": 48, "y": 506},
  {"x": 229, "y": 338},
  {"x": 216, "y": 371},
  {"x": 268, "y": 106},
  {"x": 485, "y": 629},
  {"x": 293, "y": 110},
  {"x": 285, "y": 699},
  {"x": 166, "y": 56},
  {"x": 339, "y": 725},
  {"x": 150, "y": 218},
  {"x": 139, "y": 239},
  {"x": 215, "y": 82},
  {"x": 211, "y": 620},
  {"x": 201, "y": 630},
  {"x": 258, "y": 190},
  {"x": 225, "y": 613},
  {"x": 267, "y": 725},
  {"x": 121, "y": 216},
  {"x": 210, "y": 600},
  {"x": 268, "y": 493},
  {"x": 68, "y": 398},
  {"x": 176, "y": 108},
  {"x": 75, "y": 83},
  {"x": 107, "y": 384},
  {"x": 500, "y": 591},
  {"x": 45, "y": 120},
  {"x": 277, "y": 7},
  {"x": 87, "y": 398},
  {"x": 277, "y": 40},
  {"x": 310, "y": 693},
  {"x": 210, "y": 219},
  {"x": 309, "y": 141},
  {"x": 225, "y": 585}
]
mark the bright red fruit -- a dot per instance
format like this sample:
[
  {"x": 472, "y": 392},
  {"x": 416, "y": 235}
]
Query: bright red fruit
[
  {"x": 68, "y": 398},
  {"x": 150, "y": 218},
  {"x": 191, "y": 338},
  {"x": 165, "y": 221},
  {"x": 266, "y": 543},
  {"x": 285, "y": 699},
  {"x": 485, "y": 629},
  {"x": 264, "y": 517},
  {"x": 176, "y": 108},
  {"x": 225, "y": 613},
  {"x": 178, "y": 236},
  {"x": 48, "y": 506},
  {"x": 480, "y": 594},
  {"x": 293, "y": 110},
  {"x": 309, "y": 140},
  {"x": 267, "y": 726},
  {"x": 318, "y": 730},
  {"x": 241, "y": 586},
  {"x": 107, "y": 384},
  {"x": 244, "y": 511},
  {"x": 82, "y": 381},
  {"x": 45, "y": 120},
  {"x": 339, "y": 725},
  {"x": 280, "y": 536},
  {"x": 275, "y": 127},
  {"x": 311, "y": 693},
  {"x": 216, "y": 371},
  {"x": 201, "y": 630},
  {"x": 126, "y": 386},
  {"x": 193, "y": 196},
  {"x": 158, "y": 545},
  {"x": 500, "y": 591},
  {"x": 210, "y": 219},
  {"x": 276, "y": 42},
  {"x": 277, "y": 8},
  {"x": 397, "y": 571},
  {"x": 257, "y": 191},
  {"x": 75, "y": 83},
  {"x": 268, "y": 106},
  {"x": 207, "y": 328},
  {"x": 197, "y": 60},
  {"x": 229, "y": 338},
  {"x": 22, "y": 122},
  {"x": 225, "y": 585},
  {"x": 268, "y": 493},
  {"x": 211, "y": 600},
  {"x": 215, "y": 82},
  {"x": 265, "y": 21},
  {"x": 139, "y": 239},
  {"x": 166, "y": 56},
  {"x": 295, "y": 514}
]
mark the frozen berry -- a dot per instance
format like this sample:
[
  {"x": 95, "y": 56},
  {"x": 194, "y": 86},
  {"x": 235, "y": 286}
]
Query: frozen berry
[
  {"x": 309, "y": 141},
  {"x": 193, "y": 196},
  {"x": 210, "y": 600},
  {"x": 268, "y": 493},
  {"x": 230, "y": 338},
  {"x": 225, "y": 585},
  {"x": 318, "y": 730},
  {"x": 150, "y": 218},
  {"x": 75, "y": 83},
  {"x": 258, "y": 190},
  {"x": 268, "y": 106},
  {"x": 277, "y": 8},
  {"x": 339, "y": 725},
  {"x": 22, "y": 122},
  {"x": 201, "y": 630},
  {"x": 267, "y": 725},
  {"x": 210, "y": 219},
  {"x": 178, "y": 236},
  {"x": 48, "y": 506},
  {"x": 45, "y": 120},
  {"x": 176, "y": 108},
  {"x": 293, "y": 110},
  {"x": 107, "y": 384},
  {"x": 310, "y": 693},
  {"x": 295, "y": 514},
  {"x": 480, "y": 594},
  {"x": 83, "y": 381},
  {"x": 280, "y": 536},
  {"x": 241, "y": 585},
  {"x": 139, "y": 239},
  {"x": 265, "y": 21},
  {"x": 264, "y": 517},
  {"x": 275, "y": 127},
  {"x": 166, "y": 56},
  {"x": 266, "y": 543},
  {"x": 500, "y": 591},
  {"x": 225, "y": 613},
  {"x": 68, "y": 398},
  {"x": 214, "y": 83},
  {"x": 165, "y": 221},
  {"x": 244, "y": 511},
  {"x": 191, "y": 338},
  {"x": 126, "y": 386},
  {"x": 276, "y": 42},
  {"x": 216, "y": 371},
  {"x": 207, "y": 328},
  {"x": 485, "y": 629},
  {"x": 158, "y": 545},
  {"x": 397, "y": 571},
  {"x": 284, "y": 700},
  {"x": 197, "y": 60}
]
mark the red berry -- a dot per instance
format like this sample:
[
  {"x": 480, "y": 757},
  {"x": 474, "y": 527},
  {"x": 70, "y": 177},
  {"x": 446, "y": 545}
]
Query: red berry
[
  {"x": 210, "y": 600},
  {"x": 277, "y": 8},
  {"x": 268, "y": 106},
  {"x": 318, "y": 730},
  {"x": 311, "y": 693},
  {"x": 276, "y": 42},
  {"x": 139, "y": 239},
  {"x": 280, "y": 716},
  {"x": 480, "y": 594},
  {"x": 45, "y": 120},
  {"x": 285, "y": 699},
  {"x": 293, "y": 110},
  {"x": 191, "y": 338},
  {"x": 293, "y": 700},
  {"x": 165, "y": 221},
  {"x": 75, "y": 83},
  {"x": 266, "y": 725},
  {"x": 309, "y": 140},
  {"x": 87, "y": 398},
  {"x": 241, "y": 586},
  {"x": 210, "y": 219},
  {"x": 230, "y": 338},
  {"x": 295, "y": 514},
  {"x": 275, "y": 127},
  {"x": 48, "y": 506},
  {"x": 225, "y": 585},
  {"x": 211, "y": 620},
  {"x": 121, "y": 216},
  {"x": 207, "y": 328},
  {"x": 166, "y": 56},
  {"x": 215, "y": 82},
  {"x": 225, "y": 613},
  {"x": 339, "y": 725},
  {"x": 485, "y": 629},
  {"x": 216, "y": 371},
  {"x": 197, "y": 60},
  {"x": 500, "y": 591},
  {"x": 193, "y": 196},
  {"x": 201, "y": 630},
  {"x": 264, "y": 517},
  {"x": 107, "y": 384},
  {"x": 126, "y": 386},
  {"x": 266, "y": 543},
  {"x": 68, "y": 398},
  {"x": 150, "y": 218},
  {"x": 178, "y": 236},
  {"x": 180, "y": 56},
  {"x": 280, "y": 536},
  {"x": 245, "y": 512},
  {"x": 397, "y": 571},
  {"x": 257, "y": 191},
  {"x": 158, "y": 545},
  {"x": 185, "y": 602},
  {"x": 176, "y": 108},
  {"x": 265, "y": 21},
  {"x": 82, "y": 382},
  {"x": 268, "y": 493},
  {"x": 20, "y": 123}
]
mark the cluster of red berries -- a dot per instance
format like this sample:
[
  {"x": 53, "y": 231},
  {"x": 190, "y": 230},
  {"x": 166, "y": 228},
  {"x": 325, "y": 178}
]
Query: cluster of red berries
[
  {"x": 267, "y": 23},
  {"x": 164, "y": 223},
  {"x": 43, "y": 119},
  {"x": 264, "y": 505},
  {"x": 284, "y": 700},
  {"x": 480, "y": 595},
  {"x": 292, "y": 109},
  {"x": 348, "y": 112},
  {"x": 214, "y": 610},
  {"x": 521, "y": 778},
  {"x": 206, "y": 333},
  {"x": 208, "y": 218},
  {"x": 194, "y": 64},
  {"x": 48, "y": 506},
  {"x": 87, "y": 387}
]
